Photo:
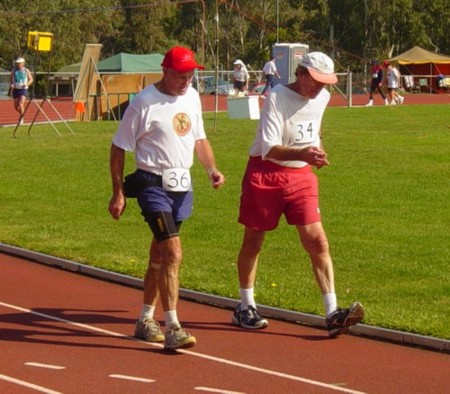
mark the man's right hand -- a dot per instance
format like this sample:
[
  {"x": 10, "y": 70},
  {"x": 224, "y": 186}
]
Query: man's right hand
[{"x": 117, "y": 205}]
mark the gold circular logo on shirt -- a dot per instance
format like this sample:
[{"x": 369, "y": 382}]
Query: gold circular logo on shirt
[{"x": 181, "y": 123}]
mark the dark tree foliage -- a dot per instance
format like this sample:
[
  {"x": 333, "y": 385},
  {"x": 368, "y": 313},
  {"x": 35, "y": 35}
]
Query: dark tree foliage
[{"x": 351, "y": 31}]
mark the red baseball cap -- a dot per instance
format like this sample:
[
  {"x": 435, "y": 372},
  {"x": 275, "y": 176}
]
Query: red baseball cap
[{"x": 180, "y": 59}]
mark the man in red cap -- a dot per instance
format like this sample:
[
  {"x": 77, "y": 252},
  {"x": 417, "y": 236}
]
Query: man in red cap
[
  {"x": 163, "y": 126},
  {"x": 279, "y": 181}
]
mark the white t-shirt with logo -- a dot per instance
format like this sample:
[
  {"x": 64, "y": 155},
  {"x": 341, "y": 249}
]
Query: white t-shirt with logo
[
  {"x": 161, "y": 129},
  {"x": 291, "y": 120}
]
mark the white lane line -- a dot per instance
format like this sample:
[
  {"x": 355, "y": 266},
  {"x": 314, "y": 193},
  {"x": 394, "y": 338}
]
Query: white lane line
[
  {"x": 48, "y": 366},
  {"x": 191, "y": 353},
  {"x": 134, "y": 378},
  {"x": 29, "y": 385},
  {"x": 211, "y": 390}
]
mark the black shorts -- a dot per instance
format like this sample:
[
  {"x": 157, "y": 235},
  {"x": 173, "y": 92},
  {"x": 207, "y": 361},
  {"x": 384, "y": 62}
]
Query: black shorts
[{"x": 19, "y": 92}]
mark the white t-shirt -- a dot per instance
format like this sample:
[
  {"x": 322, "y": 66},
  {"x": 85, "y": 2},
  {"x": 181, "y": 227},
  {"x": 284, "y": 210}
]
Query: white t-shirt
[
  {"x": 393, "y": 78},
  {"x": 161, "y": 129},
  {"x": 270, "y": 68},
  {"x": 291, "y": 120},
  {"x": 241, "y": 74}
]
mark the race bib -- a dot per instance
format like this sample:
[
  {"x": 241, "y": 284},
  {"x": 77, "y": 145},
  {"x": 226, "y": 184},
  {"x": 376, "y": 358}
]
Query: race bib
[
  {"x": 19, "y": 86},
  {"x": 306, "y": 131},
  {"x": 176, "y": 179}
]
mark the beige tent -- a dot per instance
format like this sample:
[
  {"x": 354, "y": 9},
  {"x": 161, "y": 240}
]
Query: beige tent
[
  {"x": 418, "y": 55},
  {"x": 427, "y": 69}
]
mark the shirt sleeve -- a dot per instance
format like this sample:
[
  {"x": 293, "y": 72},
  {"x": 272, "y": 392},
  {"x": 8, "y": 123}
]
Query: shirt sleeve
[
  {"x": 271, "y": 126},
  {"x": 128, "y": 131}
]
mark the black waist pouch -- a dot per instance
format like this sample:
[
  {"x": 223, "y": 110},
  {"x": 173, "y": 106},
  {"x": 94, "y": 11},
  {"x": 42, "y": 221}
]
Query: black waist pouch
[{"x": 139, "y": 180}]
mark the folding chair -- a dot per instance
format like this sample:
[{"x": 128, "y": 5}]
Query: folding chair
[
  {"x": 423, "y": 83},
  {"x": 410, "y": 84},
  {"x": 447, "y": 83}
]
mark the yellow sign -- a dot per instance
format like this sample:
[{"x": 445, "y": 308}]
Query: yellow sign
[{"x": 40, "y": 41}]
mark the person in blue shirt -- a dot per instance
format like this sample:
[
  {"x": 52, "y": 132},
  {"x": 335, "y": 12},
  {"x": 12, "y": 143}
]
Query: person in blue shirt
[{"x": 20, "y": 80}]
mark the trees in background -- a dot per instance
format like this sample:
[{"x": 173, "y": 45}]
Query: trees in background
[{"x": 352, "y": 31}]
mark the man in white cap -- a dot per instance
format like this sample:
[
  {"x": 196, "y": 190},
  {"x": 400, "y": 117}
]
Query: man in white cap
[
  {"x": 163, "y": 126},
  {"x": 279, "y": 181},
  {"x": 20, "y": 80}
]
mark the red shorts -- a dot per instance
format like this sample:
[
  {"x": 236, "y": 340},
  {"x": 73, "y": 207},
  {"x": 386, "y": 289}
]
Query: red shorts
[{"x": 270, "y": 190}]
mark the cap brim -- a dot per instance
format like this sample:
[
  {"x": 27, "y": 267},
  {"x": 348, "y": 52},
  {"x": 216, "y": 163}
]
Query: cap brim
[{"x": 321, "y": 77}]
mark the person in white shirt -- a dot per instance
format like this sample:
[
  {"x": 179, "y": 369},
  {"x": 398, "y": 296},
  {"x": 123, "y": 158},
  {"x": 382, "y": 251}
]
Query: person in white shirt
[
  {"x": 393, "y": 83},
  {"x": 163, "y": 126},
  {"x": 20, "y": 80},
  {"x": 279, "y": 180},
  {"x": 241, "y": 77},
  {"x": 269, "y": 71}
]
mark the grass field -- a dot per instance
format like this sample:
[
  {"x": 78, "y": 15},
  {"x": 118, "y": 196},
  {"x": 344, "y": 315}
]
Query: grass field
[{"x": 384, "y": 200}]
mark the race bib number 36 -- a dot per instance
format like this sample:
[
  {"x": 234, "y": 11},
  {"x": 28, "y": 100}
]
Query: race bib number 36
[{"x": 176, "y": 180}]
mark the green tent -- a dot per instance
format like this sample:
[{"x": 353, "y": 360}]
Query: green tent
[
  {"x": 128, "y": 63},
  {"x": 122, "y": 63}
]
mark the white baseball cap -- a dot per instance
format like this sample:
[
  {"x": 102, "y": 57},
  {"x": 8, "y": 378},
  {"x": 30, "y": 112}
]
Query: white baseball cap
[
  {"x": 239, "y": 61},
  {"x": 20, "y": 60},
  {"x": 320, "y": 67}
]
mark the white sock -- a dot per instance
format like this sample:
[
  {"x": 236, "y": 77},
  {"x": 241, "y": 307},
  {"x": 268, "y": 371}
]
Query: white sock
[
  {"x": 247, "y": 297},
  {"x": 329, "y": 302},
  {"x": 170, "y": 317},
  {"x": 147, "y": 312}
]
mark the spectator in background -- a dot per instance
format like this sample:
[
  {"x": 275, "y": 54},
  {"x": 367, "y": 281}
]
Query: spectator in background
[
  {"x": 376, "y": 83},
  {"x": 393, "y": 83},
  {"x": 240, "y": 77},
  {"x": 20, "y": 80},
  {"x": 269, "y": 70}
]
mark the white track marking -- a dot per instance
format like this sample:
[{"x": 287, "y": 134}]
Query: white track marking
[
  {"x": 29, "y": 385},
  {"x": 134, "y": 378},
  {"x": 211, "y": 390},
  {"x": 191, "y": 353},
  {"x": 48, "y": 366}
]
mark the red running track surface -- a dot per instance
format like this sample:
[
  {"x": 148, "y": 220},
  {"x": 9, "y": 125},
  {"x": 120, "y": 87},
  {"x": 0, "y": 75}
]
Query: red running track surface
[{"x": 69, "y": 333}]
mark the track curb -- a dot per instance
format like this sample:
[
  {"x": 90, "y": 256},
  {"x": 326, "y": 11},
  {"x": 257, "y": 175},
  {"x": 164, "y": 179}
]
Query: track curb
[{"x": 398, "y": 337}]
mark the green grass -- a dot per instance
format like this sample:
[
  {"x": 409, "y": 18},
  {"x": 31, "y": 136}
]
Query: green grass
[{"x": 384, "y": 200}]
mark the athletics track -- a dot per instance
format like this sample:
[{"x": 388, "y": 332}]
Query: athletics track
[
  {"x": 61, "y": 332},
  {"x": 64, "y": 332}
]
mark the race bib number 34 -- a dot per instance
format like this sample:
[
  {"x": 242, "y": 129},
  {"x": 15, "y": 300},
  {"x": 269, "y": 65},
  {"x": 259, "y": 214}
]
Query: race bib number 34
[{"x": 176, "y": 180}]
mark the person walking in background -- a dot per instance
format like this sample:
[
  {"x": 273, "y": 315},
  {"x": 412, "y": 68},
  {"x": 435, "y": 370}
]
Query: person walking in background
[
  {"x": 164, "y": 127},
  {"x": 376, "y": 83},
  {"x": 240, "y": 77},
  {"x": 279, "y": 181},
  {"x": 20, "y": 80},
  {"x": 269, "y": 70},
  {"x": 393, "y": 83}
]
